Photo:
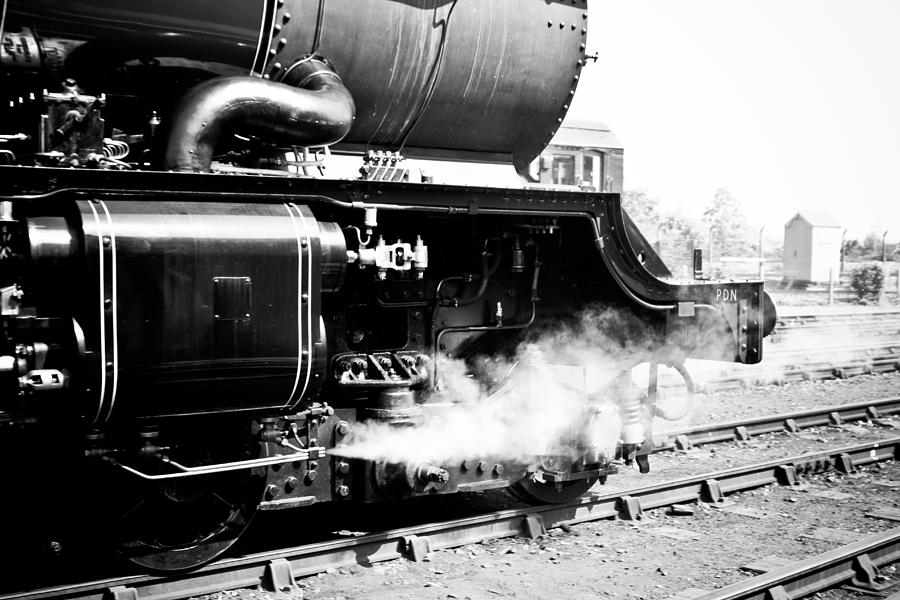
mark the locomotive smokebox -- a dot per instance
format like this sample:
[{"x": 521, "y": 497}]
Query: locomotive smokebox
[{"x": 484, "y": 79}]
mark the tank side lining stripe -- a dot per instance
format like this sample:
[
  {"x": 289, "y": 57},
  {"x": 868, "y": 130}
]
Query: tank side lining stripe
[
  {"x": 102, "y": 316},
  {"x": 309, "y": 276},
  {"x": 290, "y": 401},
  {"x": 260, "y": 58},
  {"x": 3, "y": 17},
  {"x": 115, "y": 312}
]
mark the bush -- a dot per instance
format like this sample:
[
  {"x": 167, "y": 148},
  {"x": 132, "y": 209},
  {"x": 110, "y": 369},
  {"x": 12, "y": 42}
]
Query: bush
[{"x": 867, "y": 281}]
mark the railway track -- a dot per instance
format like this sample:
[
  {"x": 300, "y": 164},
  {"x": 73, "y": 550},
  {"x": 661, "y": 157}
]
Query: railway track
[
  {"x": 793, "y": 422},
  {"x": 856, "y": 562},
  {"x": 793, "y": 366},
  {"x": 277, "y": 570},
  {"x": 851, "y": 321},
  {"x": 805, "y": 348}
]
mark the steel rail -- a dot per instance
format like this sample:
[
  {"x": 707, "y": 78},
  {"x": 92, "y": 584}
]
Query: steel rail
[
  {"x": 742, "y": 430},
  {"x": 836, "y": 348},
  {"x": 801, "y": 320},
  {"x": 276, "y": 570},
  {"x": 851, "y": 330},
  {"x": 803, "y": 578},
  {"x": 819, "y": 364}
]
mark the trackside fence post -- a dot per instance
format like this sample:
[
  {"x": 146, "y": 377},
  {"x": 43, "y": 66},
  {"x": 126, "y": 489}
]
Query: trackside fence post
[{"x": 830, "y": 287}]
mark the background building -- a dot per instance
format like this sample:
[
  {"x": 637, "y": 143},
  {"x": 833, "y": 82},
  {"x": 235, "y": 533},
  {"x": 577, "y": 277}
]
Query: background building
[
  {"x": 587, "y": 156},
  {"x": 812, "y": 247}
]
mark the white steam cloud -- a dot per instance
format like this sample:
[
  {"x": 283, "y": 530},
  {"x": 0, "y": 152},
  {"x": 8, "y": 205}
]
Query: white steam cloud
[{"x": 560, "y": 395}]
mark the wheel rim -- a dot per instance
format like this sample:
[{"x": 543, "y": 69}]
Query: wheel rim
[{"x": 166, "y": 529}]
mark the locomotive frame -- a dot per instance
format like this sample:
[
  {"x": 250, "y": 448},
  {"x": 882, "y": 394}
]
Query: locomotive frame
[
  {"x": 680, "y": 318},
  {"x": 181, "y": 348}
]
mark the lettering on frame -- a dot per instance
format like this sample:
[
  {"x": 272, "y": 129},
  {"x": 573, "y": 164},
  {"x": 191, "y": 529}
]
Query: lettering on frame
[{"x": 726, "y": 295}]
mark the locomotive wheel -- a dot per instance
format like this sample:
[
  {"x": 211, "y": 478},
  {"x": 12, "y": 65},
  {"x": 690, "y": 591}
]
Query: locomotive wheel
[
  {"x": 185, "y": 523},
  {"x": 181, "y": 524},
  {"x": 533, "y": 490}
]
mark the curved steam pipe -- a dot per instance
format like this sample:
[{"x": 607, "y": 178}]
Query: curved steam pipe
[{"x": 310, "y": 106}]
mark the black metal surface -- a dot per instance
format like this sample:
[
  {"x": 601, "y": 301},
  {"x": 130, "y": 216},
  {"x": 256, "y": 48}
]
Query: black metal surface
[
  {"x": 730, "y": 317},
  {"x": 489, "y": 78},
  {"x": 157, "y": 308},
  {"x": 168, "y": 311},
  {"x": 224, "y": 31},
  {"x": 311, "y": 108},
  {"x": 720, "y": 311}
]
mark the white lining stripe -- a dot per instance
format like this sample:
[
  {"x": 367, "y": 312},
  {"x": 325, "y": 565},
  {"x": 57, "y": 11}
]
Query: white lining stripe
[
  {"x": 309, "y": 276},
  {"x": 290, "y": 401},
  {"x": 3, "y": 17},
  {"x": 259, "y": 43},
  {"x": 115, "y": 313},
  {"x": 102, "y": 315}
]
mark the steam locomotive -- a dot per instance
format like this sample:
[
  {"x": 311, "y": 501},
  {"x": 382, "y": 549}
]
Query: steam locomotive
[{"x": 199, "y": 321}]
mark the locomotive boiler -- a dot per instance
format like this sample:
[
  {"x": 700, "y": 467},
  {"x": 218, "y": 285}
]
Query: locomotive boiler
[{"x": 198, "y": 320}]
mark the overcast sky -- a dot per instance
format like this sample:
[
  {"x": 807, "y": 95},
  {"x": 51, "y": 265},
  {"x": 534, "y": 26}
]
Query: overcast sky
[{"x": 790, "y": 104}]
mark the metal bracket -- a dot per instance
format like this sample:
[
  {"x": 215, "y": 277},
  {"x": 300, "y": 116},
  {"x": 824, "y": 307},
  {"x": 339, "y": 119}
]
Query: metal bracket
[
  {"x": 630, "y": 508},
  {"x": 278, "y": 577},
  {"x": 11, "y": 296},
  {"x": 777, "y": 593},
  {"x": 844, "y": 463},
  {"x": 712, "y": 491},
  {"x": 283, "y": 503},
  {"x": 786, "y": 475},
  {"x": 683, "y": 442},
  {"x": 534, "y": 527},
  {"x": 835, "y": 418},
  {"x": 416, "y": 548},
  {"x": 120, "y": 592},
  {"x": 741, "y": 434},
  {"x": 562, "y": 476},
  {"x": 791, "y": 426},
  {"x": 867, "y": 575},
  {"x": 480, "y": 486}
]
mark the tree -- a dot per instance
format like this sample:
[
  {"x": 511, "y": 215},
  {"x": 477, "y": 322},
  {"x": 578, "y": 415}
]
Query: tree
[
  {"x": 727, "y": 227},
  {"x": 678, "y": 238},
  {"x": 867, "y": 282},
  {"x": 643, "y": 210},
  {"x": 853, "y": 250},
  {"x": 867, "y": 249},
  {"x": 872, "y": 245}
]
